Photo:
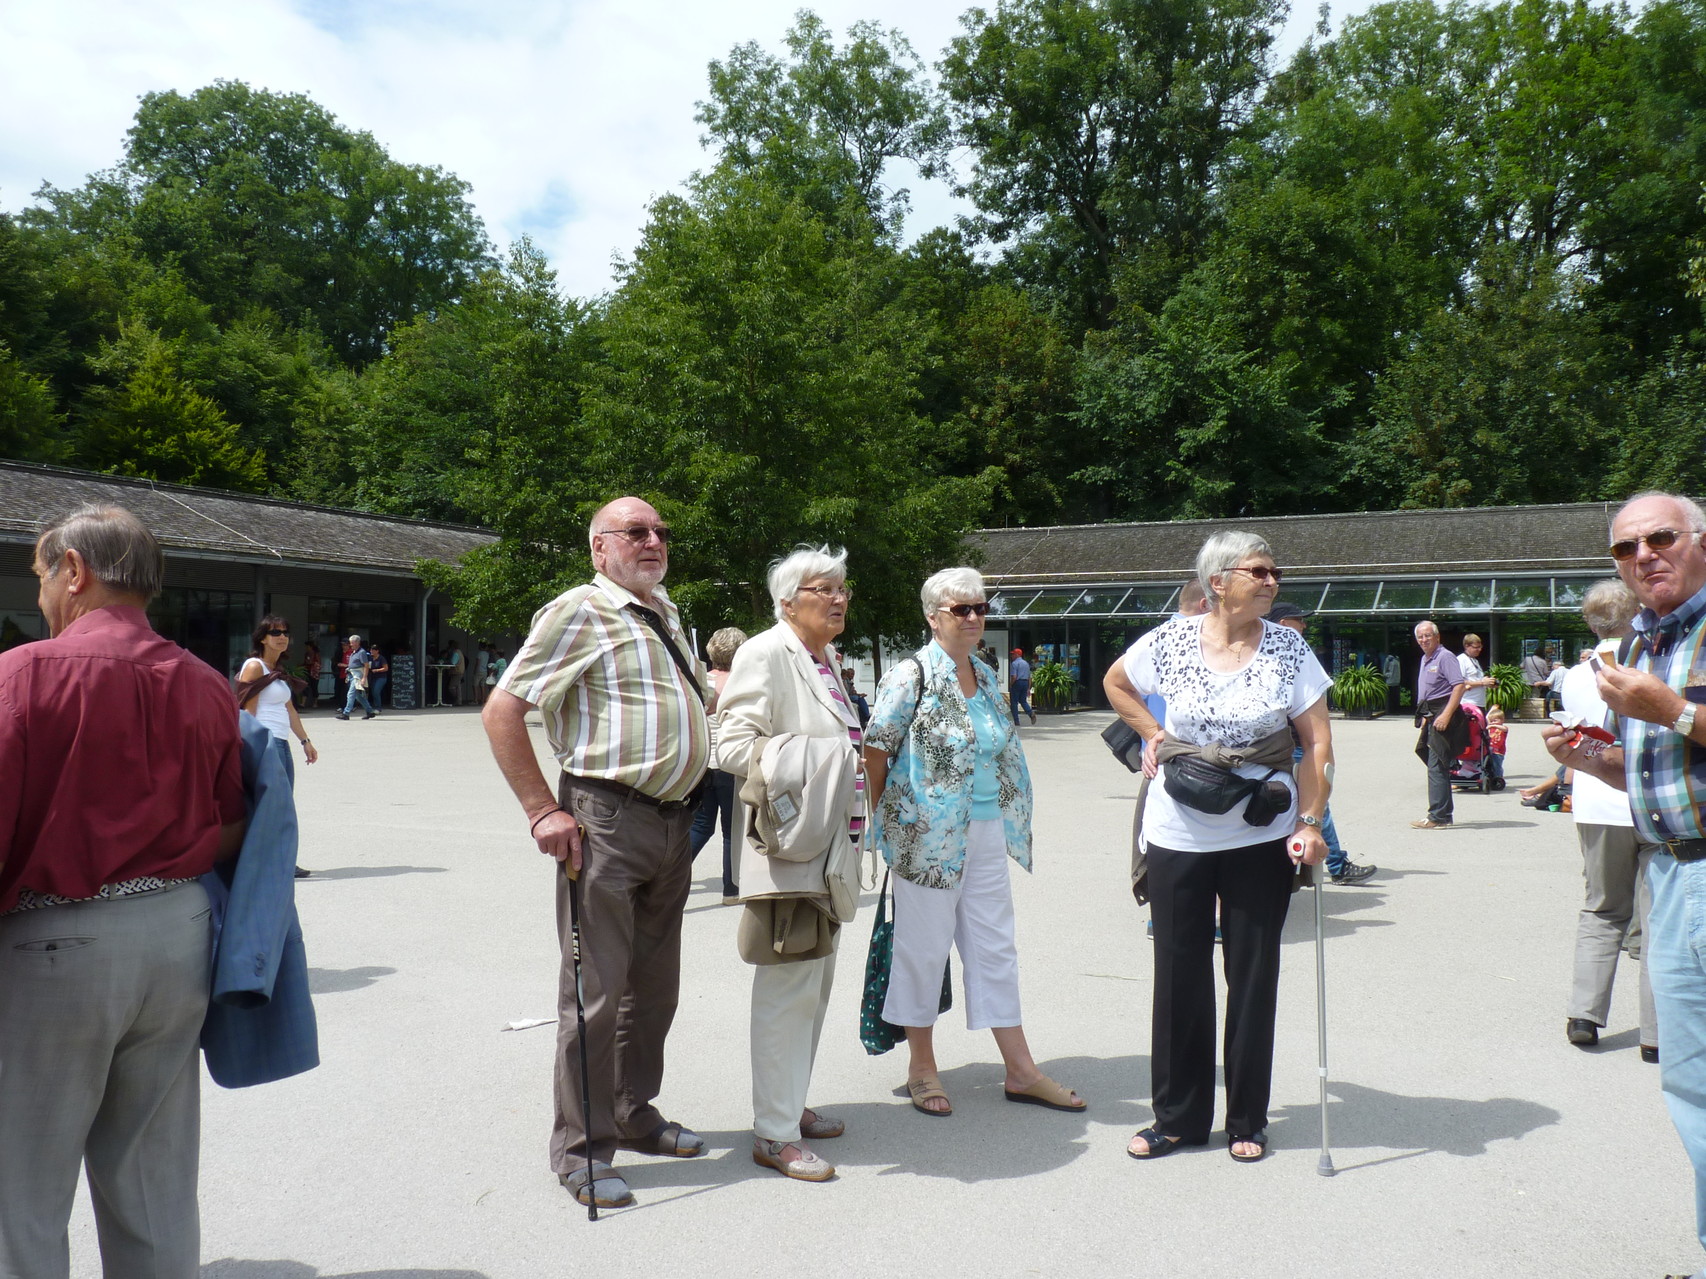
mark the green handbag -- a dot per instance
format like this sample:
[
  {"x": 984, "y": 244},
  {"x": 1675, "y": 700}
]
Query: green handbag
[{"x": 877, "y": 1035}]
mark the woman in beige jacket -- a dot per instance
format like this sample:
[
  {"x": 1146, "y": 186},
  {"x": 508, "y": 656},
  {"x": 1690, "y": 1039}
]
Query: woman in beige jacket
[{"x": 787, "y": 681}]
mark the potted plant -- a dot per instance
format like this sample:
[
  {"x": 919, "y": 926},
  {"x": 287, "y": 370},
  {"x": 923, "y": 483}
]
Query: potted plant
[
  {"x": 1051, "y": 686},
  {"x": 1360, "y": 690},
  {"x": 1508, "y": 691}
]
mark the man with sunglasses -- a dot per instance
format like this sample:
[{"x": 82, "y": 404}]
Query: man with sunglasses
[
  {"x": 1654, "y": 687},
  {"x": 611, "y": 671},
  {"x": 1444, "y": 733}
]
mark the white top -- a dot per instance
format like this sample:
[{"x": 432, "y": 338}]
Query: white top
[
  {"x": 1472, "y": 670},
  {"x": 1280, "y": 683},
  {"x": 1593, "y": 802},
  {"x": 270, "y": 703}
]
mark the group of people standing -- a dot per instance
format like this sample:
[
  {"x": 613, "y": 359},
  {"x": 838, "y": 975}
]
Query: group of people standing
[{"x": 937, "y": 781}]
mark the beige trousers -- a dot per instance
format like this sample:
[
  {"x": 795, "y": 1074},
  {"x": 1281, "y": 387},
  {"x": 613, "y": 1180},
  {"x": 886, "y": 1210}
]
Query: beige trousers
[{"x": 788, "y": 1005}]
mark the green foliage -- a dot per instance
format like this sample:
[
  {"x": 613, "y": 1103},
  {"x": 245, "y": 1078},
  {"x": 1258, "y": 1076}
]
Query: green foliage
[
  {"x": 1359, "y": 687},
  {"x": 1509, "y": 688},
  {"x": 1052, "y": 685},
  {"x": 30, "y": 424}
]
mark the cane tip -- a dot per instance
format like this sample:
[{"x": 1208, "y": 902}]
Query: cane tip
[{"x": 1325, "y": 1168}]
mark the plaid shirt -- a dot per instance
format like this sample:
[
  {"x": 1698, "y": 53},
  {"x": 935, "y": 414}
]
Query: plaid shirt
[
  {"x": 614, "y": 703},
  {"x": 1666, "y": 774}
]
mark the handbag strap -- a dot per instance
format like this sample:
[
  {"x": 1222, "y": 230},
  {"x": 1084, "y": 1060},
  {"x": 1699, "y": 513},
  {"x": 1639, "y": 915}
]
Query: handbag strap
[{"x": 655, "y": 621}]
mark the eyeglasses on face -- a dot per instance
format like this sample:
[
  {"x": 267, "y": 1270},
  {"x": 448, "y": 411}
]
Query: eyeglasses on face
[
  {"x": 639, "y": 534},
  {"x": 1659, "y": 539},
  {"x": 844, "y": 593},
  {"x": 275, "y": 634},
  {"x": 963, "y": 611},
  {"x": 1261, "y": 572}
]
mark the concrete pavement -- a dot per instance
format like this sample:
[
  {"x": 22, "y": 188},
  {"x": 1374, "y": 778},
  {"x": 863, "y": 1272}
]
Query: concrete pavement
[{"x": 1471, "y": 1139}]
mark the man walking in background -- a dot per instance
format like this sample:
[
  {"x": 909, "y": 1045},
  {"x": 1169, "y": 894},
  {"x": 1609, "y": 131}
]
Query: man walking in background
[
  {"x": 1019, "y": 686},
  {"x": 120, "y": 783},
  {"x": 359, "y": 662}
]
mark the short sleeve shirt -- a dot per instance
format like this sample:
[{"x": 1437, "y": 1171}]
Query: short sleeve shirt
[
  {"x": 1282, "y": 681},
  {"x": 1470, "y": 669}
]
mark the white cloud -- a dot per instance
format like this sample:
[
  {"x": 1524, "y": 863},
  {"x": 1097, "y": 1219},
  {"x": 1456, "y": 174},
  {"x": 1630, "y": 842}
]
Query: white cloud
[{"x": 566, "y": 118}]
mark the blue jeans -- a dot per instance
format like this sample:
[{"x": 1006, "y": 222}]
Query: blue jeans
[
  {"x": 1019, "y": 695},
  {"x": 1674, "y": 951},
  {"x": 357, "y": 695},
  {"x": 379, "y": 683},
  {"x": 1336, "y": 855}
]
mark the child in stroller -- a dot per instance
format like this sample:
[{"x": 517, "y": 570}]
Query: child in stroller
[{"x": 1471, "y": 769}]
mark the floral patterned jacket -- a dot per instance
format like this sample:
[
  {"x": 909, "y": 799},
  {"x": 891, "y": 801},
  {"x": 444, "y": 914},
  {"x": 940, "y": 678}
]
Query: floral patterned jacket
[{"x": 924, "y": 727}]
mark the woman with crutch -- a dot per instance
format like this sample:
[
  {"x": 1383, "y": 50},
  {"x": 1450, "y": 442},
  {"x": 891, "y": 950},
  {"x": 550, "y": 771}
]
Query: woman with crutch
[{"x": 1229, "y": 825}]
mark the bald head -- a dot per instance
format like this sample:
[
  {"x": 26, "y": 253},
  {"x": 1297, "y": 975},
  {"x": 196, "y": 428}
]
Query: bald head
[
  {"x": 630, "y": 545},
  {"x": 1663, "y": 577}
]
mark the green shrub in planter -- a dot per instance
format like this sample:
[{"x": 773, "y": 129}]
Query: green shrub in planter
[
  {"x": 1358, "y": 688},
  {"x": 1052, "y": 685},
  {"x": 1509, "y": 690}
]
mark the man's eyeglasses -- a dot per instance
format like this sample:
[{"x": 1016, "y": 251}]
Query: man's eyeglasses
[
  {"x": 1261, "y": 572},
  {"x": 639, "y": 534},
  {"x": 276, "y": 634},
  {"x": 1659, "y": 539},
  {"x": 963, "y": 611},
  {"x": 831, "y": 592}
]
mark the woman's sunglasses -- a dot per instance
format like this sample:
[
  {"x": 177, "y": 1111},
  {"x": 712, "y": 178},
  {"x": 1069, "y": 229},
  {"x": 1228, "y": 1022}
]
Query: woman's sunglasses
[
  {"x": 1657, "y": 540},
  {"x": 277, "y": 633},
  {"x": 963, "y": 611},
  {"x": 1260, "y": 572}
]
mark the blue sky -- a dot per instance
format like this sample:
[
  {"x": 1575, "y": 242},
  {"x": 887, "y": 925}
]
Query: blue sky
[{"x": 566, "y": 118}]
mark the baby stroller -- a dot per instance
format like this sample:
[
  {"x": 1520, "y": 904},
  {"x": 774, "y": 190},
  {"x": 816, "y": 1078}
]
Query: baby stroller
[{"x": 1469, "y": 770}]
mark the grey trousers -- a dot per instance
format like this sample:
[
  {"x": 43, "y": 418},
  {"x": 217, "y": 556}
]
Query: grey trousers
[
  {"x": 637, "y": 872},
  {"x": 101, "y": 1006},
  {"x": 1614, "y": 870},
  {"x": 788, "y": 1006},
  {"x": 1440, "y": 759}
]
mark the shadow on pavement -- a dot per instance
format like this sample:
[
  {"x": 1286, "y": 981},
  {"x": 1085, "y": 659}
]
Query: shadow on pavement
[
  {"x": 231, "y": 1268},
  {"x": 373, "y": 872},
  {"x": 334, "y": 981},
  {"x": 1338, "y": 908},
  {"x": 1366, "y": 1118}
]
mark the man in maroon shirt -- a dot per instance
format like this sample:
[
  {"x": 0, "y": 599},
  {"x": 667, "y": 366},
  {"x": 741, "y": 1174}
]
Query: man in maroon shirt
[{"x": 120, "y": 783}]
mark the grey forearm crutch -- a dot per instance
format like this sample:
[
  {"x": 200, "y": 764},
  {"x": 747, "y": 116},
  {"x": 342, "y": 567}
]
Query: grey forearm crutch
[
  {"x": 1325, "y": 1166},
  {"x": 580, "y": 1034}
]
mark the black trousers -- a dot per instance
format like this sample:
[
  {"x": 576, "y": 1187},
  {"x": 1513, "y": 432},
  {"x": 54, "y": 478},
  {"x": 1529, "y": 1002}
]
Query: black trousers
[{"x": 1253, "y": 886}]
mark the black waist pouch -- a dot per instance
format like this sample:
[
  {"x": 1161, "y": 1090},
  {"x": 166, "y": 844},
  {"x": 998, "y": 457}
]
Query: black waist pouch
[{"x": 1197, "y": 784}]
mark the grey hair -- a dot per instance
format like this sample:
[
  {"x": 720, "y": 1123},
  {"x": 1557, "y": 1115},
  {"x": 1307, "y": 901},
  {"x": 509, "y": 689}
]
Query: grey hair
[
  {"x": 118, "y": 548},
  {"x": 1226, "y": 550},
  {"x": 1690, "y": 508},
  {"x": 1608, "y": 607},
  {"x": 959, "y": 585},
  {"x": 801, "y": 563},
  {"x": 720, "y": 648}
]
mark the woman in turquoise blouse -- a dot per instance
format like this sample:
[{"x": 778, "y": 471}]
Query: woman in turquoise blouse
[{"x": 951, "y": 799}]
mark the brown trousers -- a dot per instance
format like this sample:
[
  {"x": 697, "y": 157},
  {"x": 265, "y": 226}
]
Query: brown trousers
[{"x": 636, "y": 872}]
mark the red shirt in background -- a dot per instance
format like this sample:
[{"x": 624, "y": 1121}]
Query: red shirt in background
[
  {"x": 119, "y": 758},
  {"x": 1496, "y": 738}
]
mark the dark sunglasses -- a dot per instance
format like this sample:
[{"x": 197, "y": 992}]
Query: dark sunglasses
[
  {"x": 1657, "y": 540},
  {"x": 640, "y": 534},
  {"x": 1260, "y": 572},
  {"x": 275, "y": 633},
  {"x": 963, "y": 611}
]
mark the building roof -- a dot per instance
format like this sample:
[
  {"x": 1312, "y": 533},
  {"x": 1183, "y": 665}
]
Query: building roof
[
  {"x": 1488, "y": 539},
  {"x": 232, "y": 526}
]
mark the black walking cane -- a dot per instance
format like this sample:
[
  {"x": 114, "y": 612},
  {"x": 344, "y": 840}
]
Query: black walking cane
[{"x": 580, "y": 1031}]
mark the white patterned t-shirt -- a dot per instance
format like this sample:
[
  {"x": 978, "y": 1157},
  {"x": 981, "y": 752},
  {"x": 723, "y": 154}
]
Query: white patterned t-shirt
[{"x": 1282, "y": 681}]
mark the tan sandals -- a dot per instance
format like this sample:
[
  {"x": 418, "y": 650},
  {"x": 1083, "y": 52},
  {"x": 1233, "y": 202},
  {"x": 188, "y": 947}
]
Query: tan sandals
[
  {"x": 928, "y": 1088},
  {"x": 1045, "y": 1092}
]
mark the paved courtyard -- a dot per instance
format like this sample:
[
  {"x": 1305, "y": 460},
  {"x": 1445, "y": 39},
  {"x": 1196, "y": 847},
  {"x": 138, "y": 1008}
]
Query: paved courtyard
[{"x": 1470, "y": 1139}]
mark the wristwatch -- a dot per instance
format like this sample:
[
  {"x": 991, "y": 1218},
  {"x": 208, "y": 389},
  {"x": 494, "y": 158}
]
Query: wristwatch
[
  {"x": 1684, "y": 723},
  {"x": 1307, "y": 820}
]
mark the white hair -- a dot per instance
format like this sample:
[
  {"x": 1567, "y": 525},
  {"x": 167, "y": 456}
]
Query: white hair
[
  {"x": 802, "y": 563},
  {"x": 960, "y": 585},
  {"x": 1690, "y": 508},
  {"x": 1226, "y": 550}
]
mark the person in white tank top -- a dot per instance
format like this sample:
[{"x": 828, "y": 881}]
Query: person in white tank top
[{"x": 272, "y": 704}]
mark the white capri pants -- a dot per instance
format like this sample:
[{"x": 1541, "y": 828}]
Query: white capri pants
[{"x": 975, "y": 915}]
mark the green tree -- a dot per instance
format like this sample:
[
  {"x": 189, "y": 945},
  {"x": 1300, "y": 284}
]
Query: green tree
[
  {"x": 1097, "y": 127},
  {"x": 30, "y": 422}
]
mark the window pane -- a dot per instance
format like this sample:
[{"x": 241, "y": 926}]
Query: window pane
[
  {"x": 1101, "y": 601},
  {"x": 1156, "y": 601},
  {"x": 1051, "y": 604},
  {"x": 1349, "y": 597},
  {"x": 1406, "y": 597},
  {"x": 1568, "y": 592},
  {"x": 1004, "y": 605},
  {"x": 1466, "y": 595},
  {"x": 1532, "y": 593}
]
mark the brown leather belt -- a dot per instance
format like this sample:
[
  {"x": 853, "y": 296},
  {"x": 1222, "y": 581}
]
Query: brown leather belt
[{"x": 651, "y": 801}]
